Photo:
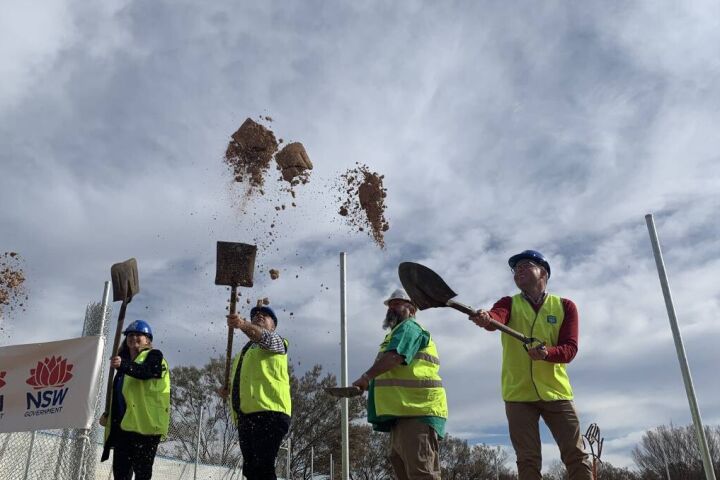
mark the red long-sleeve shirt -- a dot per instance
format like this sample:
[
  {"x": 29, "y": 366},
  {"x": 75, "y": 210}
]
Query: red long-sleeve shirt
[{"x": 567, "y": 344}]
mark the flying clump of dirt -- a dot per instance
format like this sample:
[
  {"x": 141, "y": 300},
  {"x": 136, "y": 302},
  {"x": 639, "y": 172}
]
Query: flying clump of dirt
[
  {"x": 294, "y": 163},
  {"x": 249, "y": 153},
  {"x": 363, "y": 202},
  {"x": 12, "y": 277}
]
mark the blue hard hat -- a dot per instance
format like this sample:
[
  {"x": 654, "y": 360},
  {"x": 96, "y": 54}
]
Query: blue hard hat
[
  {"x": 139, "y": 326},
  {"x": 264, "y": 309},
  {"x": 532, "y": 255}
]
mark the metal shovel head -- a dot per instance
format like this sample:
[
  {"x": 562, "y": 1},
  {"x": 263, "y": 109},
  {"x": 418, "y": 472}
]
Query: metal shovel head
[
  {"x": 235, "y": 264},
  {"x": 425, "y": 287},
  {"x": 125, "y": 280},
  {"x": 344, "y": 392}
]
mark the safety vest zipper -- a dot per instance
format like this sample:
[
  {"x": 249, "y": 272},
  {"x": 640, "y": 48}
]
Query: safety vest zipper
[{"x": 532, "y": 378}]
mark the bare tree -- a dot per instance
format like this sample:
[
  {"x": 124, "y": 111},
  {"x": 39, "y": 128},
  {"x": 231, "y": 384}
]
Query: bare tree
[
  {"x": 191, "y": 388},
  {"x": 674, "y": 450}
]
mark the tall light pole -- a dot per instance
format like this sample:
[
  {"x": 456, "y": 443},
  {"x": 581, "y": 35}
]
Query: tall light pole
[
  {"x": 680, "y": 349},
  {"x": 345, "y": 453}
]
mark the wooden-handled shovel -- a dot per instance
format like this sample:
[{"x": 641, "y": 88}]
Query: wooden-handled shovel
[
  {"x": 125, "y": 284},
  {"x": 235, "y": 268},
  {"x": 428, "y": 290}
]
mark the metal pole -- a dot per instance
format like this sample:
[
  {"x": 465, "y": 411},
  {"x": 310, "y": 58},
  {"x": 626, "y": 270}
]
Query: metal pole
[
  {"x": 331, "y": 467},
  {"x": 27, "y": 464},
  {"x": 197, "y": 445},
  {"x": 287, "y": 459},
  {"x": 312, "y": 462},
  {"x": 84, "y": 434},
  {"x": 344, "y": 422},
  {"x": 684, "y": 368}
]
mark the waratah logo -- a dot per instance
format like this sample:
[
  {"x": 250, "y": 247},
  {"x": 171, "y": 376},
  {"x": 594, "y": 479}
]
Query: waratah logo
[
  {"x": 2, "y": 382},
  {"x": 54, "y": 372}
]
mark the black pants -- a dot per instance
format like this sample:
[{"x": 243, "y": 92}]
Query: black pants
[
  {"x": 260, "y": 437},
  {"x": 134, "y": 453}
]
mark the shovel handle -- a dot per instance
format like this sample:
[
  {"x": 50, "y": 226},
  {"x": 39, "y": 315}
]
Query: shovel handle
[
  {"x": 231, "y": 331},
  {"x": 499, "y": 326},
  {"x": 114, "y": 352}
]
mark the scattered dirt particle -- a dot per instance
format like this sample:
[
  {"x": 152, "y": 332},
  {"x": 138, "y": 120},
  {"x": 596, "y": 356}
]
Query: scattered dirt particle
[
  {"x": 12, "y": 277},
  {"x": 266, "y": 301},
  {"x": 364, "y": 202},
  {"x": 274, "y": 274}
]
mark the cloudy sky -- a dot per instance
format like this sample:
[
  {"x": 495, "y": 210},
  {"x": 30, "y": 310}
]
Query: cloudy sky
[{"x": 498, "y": 126}]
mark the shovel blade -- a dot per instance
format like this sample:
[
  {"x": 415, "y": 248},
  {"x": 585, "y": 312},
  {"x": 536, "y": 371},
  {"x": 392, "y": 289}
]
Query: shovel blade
[
  {"x": 125, "y": 281},
  {"x": 235, "y": 264},
  {"x": 425, "y": 287}
]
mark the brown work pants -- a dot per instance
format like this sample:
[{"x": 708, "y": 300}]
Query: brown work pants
[
  {"x": 414, "y": 451},
  {"x": 562, "y": 420}
]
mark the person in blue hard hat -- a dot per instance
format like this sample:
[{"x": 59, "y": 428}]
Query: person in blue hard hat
[
  {"x": 259, "y": 392},
  {"x": 140, "y": 407},
  {"x": 534, "y": 380}
]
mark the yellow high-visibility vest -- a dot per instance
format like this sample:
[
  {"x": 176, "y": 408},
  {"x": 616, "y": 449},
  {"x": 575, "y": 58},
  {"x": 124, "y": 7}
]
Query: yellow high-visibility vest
[
  {"x": 413, "y": 390},
  {"x": 264, "y": 381},
  {"x": 525, "y": 380},
  {"x": 147, "y": 402}
]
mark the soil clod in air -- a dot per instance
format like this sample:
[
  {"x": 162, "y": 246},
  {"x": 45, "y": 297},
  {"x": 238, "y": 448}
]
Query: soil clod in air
[
  {"x": 294, "y": 163},
  {"x": 249, "y": 153}
]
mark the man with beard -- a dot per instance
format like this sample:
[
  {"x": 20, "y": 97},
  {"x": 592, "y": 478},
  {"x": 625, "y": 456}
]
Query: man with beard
[
  {"x": 534, "y": 380},
  {"x": 405, "y": 392}
]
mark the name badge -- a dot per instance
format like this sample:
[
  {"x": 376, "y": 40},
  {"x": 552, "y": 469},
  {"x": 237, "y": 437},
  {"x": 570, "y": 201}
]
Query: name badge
[{"x": 552, "y": 319}]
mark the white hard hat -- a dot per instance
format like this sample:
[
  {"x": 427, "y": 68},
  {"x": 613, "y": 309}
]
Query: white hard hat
[{"x": 398, "y": 294}]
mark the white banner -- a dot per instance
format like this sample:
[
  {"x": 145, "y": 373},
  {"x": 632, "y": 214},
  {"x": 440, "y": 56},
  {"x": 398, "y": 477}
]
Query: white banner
[{"x": 49, "y": 385}]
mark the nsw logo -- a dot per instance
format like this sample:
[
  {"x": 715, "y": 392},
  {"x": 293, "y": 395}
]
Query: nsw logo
[{"x": 48, "y": 379}]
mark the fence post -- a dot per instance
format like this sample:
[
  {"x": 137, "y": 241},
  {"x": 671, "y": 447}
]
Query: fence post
[
  {"x": 197, "y": 445},
  {"x": 287, "y": 459},
  {"x": 94, "y": 325}
]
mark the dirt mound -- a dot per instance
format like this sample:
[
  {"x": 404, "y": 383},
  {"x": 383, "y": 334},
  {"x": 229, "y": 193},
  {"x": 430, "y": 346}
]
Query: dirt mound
[
  {"x": 250, "y": 151},
  {"x": 12, "y": 278},
  {"x": 294, "y": 163},
  {"x": 363, "y": 202}
]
